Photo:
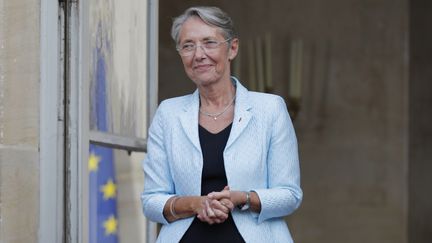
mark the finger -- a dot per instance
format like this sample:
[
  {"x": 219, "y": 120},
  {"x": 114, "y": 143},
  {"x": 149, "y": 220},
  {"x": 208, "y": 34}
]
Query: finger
[
  {"x": 220, "y": 205},
  {"x": 209, "y": 210},
  {"x": 219, "y": 195},
  {"x": 202, "y": 213},
  {"x": 226, "y": 188},
  {"x": 220, "y": 215},
  {"x": 209, "y": 220},
  {"x": 218, "y": 221},
  {"x": 203, "y": 217},
  {"x": 228, "y": 204}
]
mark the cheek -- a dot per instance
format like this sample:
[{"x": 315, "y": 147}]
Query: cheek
[
  {"x": 187, "y": 65},
  {"x": 222, "y": 66},
  {"x": 188, "y": 69}
]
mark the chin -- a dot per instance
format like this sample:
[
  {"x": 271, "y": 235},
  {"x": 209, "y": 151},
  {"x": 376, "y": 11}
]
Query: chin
[
  {"x": 205, "y": 79},
  {"x": 201, "y": 82}
]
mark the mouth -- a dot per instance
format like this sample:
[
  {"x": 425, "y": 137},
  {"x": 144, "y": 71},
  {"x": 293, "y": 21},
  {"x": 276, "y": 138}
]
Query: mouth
[{"x": 202, "y": 67}]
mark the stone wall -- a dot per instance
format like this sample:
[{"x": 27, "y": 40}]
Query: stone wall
[{"x": 19, "y": 120}]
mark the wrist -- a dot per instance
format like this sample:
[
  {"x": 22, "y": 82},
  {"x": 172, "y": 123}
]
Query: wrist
[
  {"x": 172, "y": 208},
  {"x": 197, "y": 204},
  {"x": 246, "y": 202}
]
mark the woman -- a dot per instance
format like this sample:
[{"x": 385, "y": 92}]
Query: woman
[{"x": 222, "y": 163}]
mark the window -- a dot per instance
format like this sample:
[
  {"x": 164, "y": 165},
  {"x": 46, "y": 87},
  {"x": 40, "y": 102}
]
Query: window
[
  {"x": 98, "y": 88},
  {"x": 119, "y": 75}
]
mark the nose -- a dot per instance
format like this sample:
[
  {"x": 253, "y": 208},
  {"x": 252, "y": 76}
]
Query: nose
[{"x": 200, "y": 52}]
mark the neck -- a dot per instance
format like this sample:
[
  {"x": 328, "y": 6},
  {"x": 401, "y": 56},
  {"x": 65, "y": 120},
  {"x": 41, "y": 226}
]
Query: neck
[{"x": 217, "y": 94}]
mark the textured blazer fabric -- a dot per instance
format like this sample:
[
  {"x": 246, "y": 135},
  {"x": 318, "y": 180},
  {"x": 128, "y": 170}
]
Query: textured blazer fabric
[{"x": 261, "y": 155}]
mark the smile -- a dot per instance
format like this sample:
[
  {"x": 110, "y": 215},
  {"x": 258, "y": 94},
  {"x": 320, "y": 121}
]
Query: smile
[{"x": 203, "y": 67}]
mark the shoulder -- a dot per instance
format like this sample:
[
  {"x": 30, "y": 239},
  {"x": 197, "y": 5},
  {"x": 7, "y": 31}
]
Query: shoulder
[
  {"x": 259, "y": 100},
  {"x": 173, "y": 105},
  {"x": 263, "y": 96},
  {"x": 266, "y": 102}
]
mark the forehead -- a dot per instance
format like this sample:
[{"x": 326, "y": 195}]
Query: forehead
[{"x": 196, "y": 29}]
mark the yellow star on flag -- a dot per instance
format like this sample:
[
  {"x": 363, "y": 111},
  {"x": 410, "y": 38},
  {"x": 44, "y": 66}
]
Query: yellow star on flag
[
  {"x": 93, "y": 162},
  {"x": 109, "y": 190},
  {"x": 110, "y": 225}
]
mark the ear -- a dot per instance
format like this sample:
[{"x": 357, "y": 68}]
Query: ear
[{"x": 233, "y": 50}]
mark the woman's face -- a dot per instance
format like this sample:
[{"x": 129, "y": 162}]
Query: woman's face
[{"x": 206, "y": 67}]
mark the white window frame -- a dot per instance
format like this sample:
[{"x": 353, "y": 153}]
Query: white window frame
[
  {"x": 64, "y": 127},
  {"x": 51, "y": 203}
]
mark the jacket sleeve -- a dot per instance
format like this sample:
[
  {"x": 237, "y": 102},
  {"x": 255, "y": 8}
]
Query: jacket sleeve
[
  {"x": 283, "y": 195},
  {"x": 158, "y": 184}
]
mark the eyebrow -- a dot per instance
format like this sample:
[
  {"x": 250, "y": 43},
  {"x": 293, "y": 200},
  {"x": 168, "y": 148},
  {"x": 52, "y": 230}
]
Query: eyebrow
[{"x": 203, "y": 39}]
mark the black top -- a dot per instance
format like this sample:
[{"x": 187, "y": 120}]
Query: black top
[{"x": 213, "y": 179}]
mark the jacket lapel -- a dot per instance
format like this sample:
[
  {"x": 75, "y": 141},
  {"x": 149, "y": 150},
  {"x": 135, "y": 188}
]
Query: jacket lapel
[
  {"x": 242, "y": 113},
  {"x": 242, "y": 116},
  {"x": 189, "y": 120}
]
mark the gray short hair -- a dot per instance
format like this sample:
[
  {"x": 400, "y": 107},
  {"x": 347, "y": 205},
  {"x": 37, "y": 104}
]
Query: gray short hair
[{"x": 210, "y": 15}]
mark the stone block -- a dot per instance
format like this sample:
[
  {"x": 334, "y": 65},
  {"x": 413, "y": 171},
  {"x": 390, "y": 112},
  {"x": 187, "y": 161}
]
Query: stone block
[{"x": 19, "y": 195}]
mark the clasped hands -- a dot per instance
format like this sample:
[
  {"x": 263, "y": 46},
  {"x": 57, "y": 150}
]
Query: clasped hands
[{"x": 216, "y": 206}]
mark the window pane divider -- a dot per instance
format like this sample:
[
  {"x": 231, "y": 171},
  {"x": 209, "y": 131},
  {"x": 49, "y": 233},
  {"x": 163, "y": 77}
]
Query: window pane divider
[{"x": 111, "y": 140}]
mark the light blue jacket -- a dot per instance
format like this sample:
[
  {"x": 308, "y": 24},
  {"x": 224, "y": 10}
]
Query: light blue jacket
[{"x": 260, "y": 155}]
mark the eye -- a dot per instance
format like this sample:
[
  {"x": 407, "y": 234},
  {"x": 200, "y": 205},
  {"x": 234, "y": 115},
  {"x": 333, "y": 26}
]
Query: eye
[
  {"x": 188, "y": 47},
  {"x": 210, "y": 44}
]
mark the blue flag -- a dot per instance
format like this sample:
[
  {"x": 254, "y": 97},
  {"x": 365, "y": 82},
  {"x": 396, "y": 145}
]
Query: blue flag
[{"x": 103, "y": 220}]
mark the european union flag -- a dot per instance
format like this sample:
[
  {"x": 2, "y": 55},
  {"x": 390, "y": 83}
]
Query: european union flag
[{"x": 103, "y": 221}]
